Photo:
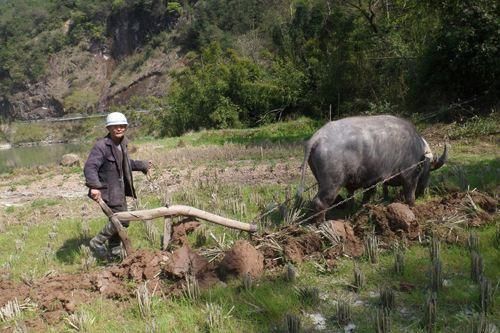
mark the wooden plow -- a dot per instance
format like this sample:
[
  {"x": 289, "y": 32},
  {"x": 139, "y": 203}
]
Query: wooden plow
[{"x": 167, "y": 213}]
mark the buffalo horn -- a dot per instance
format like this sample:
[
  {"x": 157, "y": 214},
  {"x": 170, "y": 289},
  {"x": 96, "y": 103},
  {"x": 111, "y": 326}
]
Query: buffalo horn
[{"x": 438, "y": 162}]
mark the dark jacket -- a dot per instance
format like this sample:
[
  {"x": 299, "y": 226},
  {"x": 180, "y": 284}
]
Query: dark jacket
[{"x": 107, "y": 171}]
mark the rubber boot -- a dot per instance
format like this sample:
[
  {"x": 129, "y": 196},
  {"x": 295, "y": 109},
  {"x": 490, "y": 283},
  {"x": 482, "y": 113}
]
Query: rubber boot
[
  {"x": 115, "y": 245},
  {"x": 98, "y": 243}
]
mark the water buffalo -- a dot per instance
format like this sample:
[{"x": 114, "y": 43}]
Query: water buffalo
[{"x": 359, "y": 152}]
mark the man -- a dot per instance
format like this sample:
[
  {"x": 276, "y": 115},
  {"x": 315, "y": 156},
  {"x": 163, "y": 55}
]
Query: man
[{"x": 108, "y": 175}]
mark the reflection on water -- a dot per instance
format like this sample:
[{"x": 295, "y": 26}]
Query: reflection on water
[{"x": 38, "y": 155}]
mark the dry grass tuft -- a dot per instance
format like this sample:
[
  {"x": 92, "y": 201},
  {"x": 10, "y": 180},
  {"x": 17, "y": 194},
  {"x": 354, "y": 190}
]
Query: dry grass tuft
[
  {"x": 191, "y": 288},
  {"x": 80, "y": 321},
  {"x": 144, "y": 301},
  {"x": 371, "y": 247},
  {"x": 216, "y": 318}
]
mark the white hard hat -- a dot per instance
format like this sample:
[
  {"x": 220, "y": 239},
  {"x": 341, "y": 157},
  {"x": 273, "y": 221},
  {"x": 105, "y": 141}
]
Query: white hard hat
[{"x": 116, "y": 118}]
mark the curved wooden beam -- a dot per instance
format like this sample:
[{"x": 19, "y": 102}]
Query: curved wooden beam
[
  {"x": 118, "y": 226},
  {"x": 176, "y": 210}
]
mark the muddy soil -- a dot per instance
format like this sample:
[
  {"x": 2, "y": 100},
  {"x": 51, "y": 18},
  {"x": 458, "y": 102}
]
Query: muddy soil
[
  {"x": 165, "y": 273},
  {"x": 58, "y": 183}
]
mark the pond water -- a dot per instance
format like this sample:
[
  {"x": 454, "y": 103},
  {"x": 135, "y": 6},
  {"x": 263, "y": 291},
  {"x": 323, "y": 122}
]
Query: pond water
[{"x": 18, "y": 157}]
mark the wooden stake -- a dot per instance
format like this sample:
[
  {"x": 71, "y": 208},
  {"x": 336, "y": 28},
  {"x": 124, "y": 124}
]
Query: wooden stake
[{"x": 167, "y": 232}]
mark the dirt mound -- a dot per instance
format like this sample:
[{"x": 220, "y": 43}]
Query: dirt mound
[
  {"x": 444, "y": 215},
  {"x": 242, "y": 259},
  {"x": 55, "y": 295},
  {"x": 141, "y": 265},
  {"x": 184, "y": 261},
  {"x": 297, "y": 243},
  {"x": 10, "y": 290},
  {"x": 59, "y": 294},
  {"x": 392, "y": 222},
  {"x": 475, "y": 208},
  {"x": 350, "y": 244},
  {"x": 394, "y": 219}
]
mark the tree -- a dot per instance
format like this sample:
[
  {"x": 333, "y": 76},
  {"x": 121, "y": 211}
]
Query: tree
[{"x": 462, "y": 61}]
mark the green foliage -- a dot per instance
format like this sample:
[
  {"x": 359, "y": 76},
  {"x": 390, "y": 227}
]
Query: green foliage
[
  {"x": 253, "y": 62},
  {"x": 142, "y": 113},
  {"x": 222, "y": 21},
  {"x": 28, "y": 133},
  {"x": 223, "y": 90},
  {"x": 290, "y": 131},
  {"x": 31, "y": 30},
  {"x": 117, "y": 4},
  {"x": 175, "y": 7},
  {"x": 475, "y": 127},
  {"x": 461, "y": 61},
  {"x": 322, "y": 60},
  {"x": 84, "y": 101}
]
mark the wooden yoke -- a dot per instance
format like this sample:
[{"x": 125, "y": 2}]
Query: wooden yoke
[{"x": 118, "y": 226}]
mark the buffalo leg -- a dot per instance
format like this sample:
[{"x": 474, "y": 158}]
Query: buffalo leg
[
  {"x": 349, "y": 204},
  {"x": 409, "y": 188},
  {"x": 385, "y": 189}
]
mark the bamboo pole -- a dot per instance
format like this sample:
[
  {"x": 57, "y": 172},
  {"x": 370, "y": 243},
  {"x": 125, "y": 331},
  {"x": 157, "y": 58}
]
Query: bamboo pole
[{"x": 177, "y": 210}]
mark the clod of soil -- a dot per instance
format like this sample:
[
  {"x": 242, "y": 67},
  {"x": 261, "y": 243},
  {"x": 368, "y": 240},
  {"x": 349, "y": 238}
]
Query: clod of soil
[
  {"x": 141, "y": 265},
  {"x": 402, "y": 218},
  {"x": 182, "y": 229},
  {"x": 351, "y": 245},
  {"x": 109, "y": 285},
  {"x": 242, "y": 259},
  {"x": 184, "y": 261},
  {"x": 301, "y": 242}
]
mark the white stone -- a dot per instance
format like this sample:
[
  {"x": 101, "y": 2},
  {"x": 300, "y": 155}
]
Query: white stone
[
  {"x": 318, "y": 320},
  {"x": 349, "y": 328}
]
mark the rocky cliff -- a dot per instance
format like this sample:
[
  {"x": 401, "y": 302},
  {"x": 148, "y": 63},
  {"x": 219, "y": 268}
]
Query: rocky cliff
[{"x": 92, "y": 76}]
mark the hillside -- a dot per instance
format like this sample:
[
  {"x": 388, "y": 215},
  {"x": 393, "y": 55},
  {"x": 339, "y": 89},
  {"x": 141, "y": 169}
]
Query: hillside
[
  {"x": 88, "y": 56},
  {"x": 228, "y": 63}
]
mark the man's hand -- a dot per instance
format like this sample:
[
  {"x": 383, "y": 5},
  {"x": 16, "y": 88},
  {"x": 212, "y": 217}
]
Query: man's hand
[{"x": 95, "y": 194}]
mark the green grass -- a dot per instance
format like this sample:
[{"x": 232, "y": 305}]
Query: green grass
[
  {"x": 475, "y": 127},
  {"x": 263, "y": 308},
  {"x": 283, "y": 132},
  {"x": 265, "y": 305},
  {"x": 470, "y": 174}
]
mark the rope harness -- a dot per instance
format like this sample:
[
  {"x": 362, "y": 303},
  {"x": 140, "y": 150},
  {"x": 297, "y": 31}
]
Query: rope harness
[
  {"x": 259, "y": 217},
  {"x": 300, "y": 222}
]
